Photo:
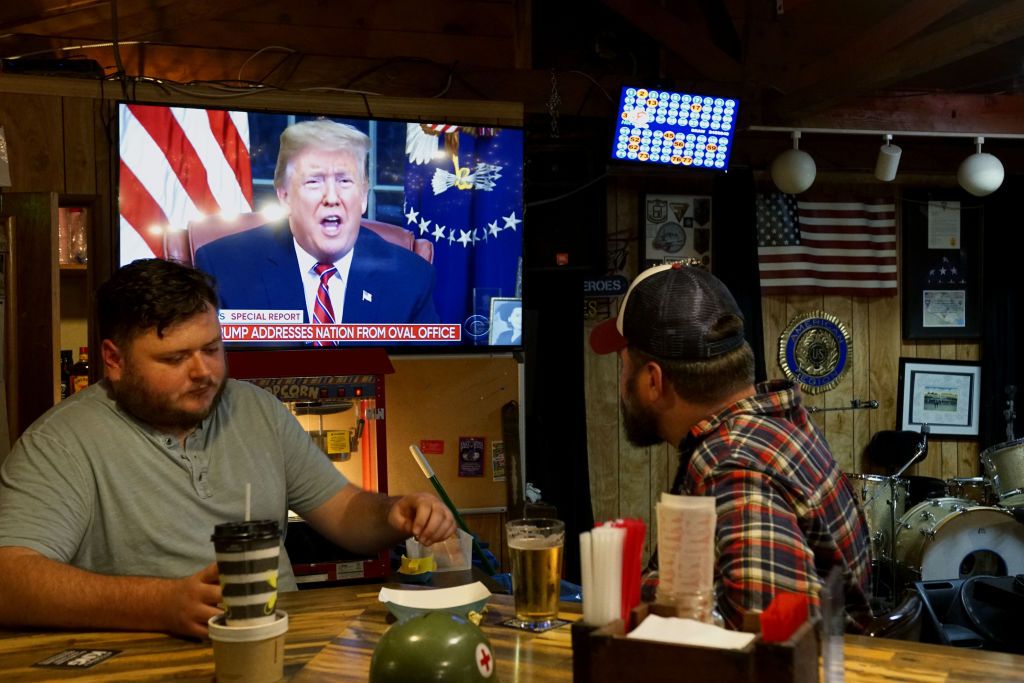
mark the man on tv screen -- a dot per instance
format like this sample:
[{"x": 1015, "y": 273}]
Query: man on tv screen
[{"x": 324, "y": 263}]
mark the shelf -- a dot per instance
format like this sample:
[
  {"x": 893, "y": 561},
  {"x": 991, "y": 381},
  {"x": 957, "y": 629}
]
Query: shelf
[{"x": 73, "y": 267}]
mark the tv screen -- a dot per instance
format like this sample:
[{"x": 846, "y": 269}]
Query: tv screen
[
  {"x": 674, "y": 128},
  {"x": 421, "y": 248}
]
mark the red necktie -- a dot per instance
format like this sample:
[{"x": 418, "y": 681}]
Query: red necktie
[{"x": 323, "y": 311}]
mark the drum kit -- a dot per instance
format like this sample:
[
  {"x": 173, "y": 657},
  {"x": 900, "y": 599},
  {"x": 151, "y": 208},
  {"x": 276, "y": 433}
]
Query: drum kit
[{"x": 963, "y": 527}]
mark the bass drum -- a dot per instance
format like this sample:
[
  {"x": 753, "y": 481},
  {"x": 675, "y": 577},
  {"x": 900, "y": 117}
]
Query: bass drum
[{"x": 954, "y": 538}]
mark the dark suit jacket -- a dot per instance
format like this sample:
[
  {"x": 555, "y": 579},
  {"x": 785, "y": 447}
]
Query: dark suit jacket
[
  {"x": 507, "y": 337},
  {"x": 257, "y": 269}
]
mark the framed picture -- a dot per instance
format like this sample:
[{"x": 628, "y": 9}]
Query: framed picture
[
  {"x": 506, "y": 322},
  {"x": 676, "y": 227},
  {"x": 941, "y": 267},
  {"x": 943, "y": 394}
]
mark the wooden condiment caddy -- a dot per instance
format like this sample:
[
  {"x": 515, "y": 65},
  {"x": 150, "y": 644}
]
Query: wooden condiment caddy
[{"x": 605, "y": 655}]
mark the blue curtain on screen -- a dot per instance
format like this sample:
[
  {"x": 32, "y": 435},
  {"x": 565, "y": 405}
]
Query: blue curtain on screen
[{"x": 463, "y": 191}]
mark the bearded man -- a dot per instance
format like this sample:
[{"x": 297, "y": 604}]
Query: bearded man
[
  {"x": 108, "y": 501},
  {"x": 786, "y": 513}
]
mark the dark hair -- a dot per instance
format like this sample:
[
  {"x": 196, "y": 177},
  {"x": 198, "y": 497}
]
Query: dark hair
[
  {"x": 148, "y": 294},
  {"x": 711, "y": 380}
]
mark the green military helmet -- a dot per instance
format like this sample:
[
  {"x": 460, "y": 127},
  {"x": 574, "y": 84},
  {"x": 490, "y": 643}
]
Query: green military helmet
[{"x": 436, "y": 646}]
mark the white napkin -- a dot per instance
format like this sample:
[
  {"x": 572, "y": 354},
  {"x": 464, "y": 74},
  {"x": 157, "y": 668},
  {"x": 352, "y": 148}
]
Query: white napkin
[{"x": 689, "y": 632}]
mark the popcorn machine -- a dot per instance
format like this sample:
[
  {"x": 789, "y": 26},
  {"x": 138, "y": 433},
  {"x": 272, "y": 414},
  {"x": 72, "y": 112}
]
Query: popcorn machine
[{"x": 338, "y": 398}]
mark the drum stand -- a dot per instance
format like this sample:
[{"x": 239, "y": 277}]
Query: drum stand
[{"x": 919, "y": 454}]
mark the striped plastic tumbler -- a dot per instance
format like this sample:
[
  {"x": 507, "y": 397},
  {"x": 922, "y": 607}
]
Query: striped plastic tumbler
[{"x": 247, "y": 560}]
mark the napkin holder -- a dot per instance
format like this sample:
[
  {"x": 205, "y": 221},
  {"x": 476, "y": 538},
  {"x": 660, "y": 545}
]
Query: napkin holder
[{"x": 605, "y": 655}]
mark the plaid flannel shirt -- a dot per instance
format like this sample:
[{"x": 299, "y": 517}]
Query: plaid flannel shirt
[{"x": 786, "y": 513}]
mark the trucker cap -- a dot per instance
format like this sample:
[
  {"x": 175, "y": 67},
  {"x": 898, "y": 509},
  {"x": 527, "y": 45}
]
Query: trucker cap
[{"x": 670, "y": 311}]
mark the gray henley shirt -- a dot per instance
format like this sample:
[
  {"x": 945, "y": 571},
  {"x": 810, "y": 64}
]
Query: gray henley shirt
[{"x": 89, "y": 485}]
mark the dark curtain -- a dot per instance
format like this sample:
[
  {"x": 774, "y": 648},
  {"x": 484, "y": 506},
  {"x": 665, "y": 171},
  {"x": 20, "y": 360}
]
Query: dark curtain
[
  {"x": 1003, "y": 318},
  {"x": 556, "y": 421},
  {"x": 566, "y": 197},
  {"x": 734, "y": 252}
]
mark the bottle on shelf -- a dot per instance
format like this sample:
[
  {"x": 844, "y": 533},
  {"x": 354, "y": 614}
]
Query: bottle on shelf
[
  {"x": 78, "y": 245},
  {"x": 80, "y": 371},
  {"x": 65, "y": 373}
]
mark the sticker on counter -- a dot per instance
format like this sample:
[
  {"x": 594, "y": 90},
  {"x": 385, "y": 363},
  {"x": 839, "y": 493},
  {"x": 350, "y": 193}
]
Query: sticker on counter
[
  {"x": 498, "y": 460},
  {"x": 471, "y": 456},
  {"x": 76, "y": 659}
]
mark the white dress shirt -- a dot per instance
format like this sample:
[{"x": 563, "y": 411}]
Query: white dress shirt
[{"x": 336, "y": 285}]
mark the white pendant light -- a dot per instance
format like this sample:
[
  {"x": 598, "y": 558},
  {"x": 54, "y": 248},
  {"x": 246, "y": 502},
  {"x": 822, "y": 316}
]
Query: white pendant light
[
  {"x": 981, "y": 173},
  {"x": 888, "y": 160},
  {"x": 793, "y": 171}
]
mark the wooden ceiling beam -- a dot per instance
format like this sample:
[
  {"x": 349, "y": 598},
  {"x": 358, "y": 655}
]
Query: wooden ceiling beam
[
  {"x": 136, "y": 18},
  {"x": 15, "y": 16},
  {"x": 1000, "y": 24},
  {"x": 580, "y": 95},
  {"x": 349, "y": 43},
  {"x": 689, "y": 42},
  {"x": 466, "y": 17},
  {"x": 931, "y": 113},
  {"x": 907, "y": 22}
]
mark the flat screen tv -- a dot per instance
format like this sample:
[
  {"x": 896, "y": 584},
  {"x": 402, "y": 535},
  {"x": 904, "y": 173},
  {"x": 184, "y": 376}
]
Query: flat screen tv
[
  {"x": 675, "y": 128},
  {"x": 454, "y": 193}
]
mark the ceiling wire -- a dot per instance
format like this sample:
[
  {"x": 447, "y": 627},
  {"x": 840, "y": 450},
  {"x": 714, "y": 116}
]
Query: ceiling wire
[{"x": 259, "y": 52}]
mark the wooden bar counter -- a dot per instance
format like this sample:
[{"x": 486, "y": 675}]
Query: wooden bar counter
[{"x": 333, "y": 632}]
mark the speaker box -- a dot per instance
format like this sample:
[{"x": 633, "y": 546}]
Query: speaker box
[{"x": 565, "y": 195}]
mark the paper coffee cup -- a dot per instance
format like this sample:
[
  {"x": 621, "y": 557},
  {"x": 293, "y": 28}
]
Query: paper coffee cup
[
  {"x": 249, "y": 654},
  {"x": 247, "y": 561}
]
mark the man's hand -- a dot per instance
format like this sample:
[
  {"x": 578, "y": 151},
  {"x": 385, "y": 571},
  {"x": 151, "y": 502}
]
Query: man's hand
[
  {"x": 191, "y": 601},
  {"x": 422, "y": 515},
  {"x": 38, "y": 591}
]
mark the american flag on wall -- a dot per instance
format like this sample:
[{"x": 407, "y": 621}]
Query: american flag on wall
[
  {"x": 178, "y": 164},
  {"x": 815, "y": 246}
]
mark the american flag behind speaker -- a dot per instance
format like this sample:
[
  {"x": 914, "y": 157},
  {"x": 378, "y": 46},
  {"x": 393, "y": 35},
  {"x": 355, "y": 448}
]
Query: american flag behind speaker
[
  {"x": 178, "y": 164},
  {"x": 820, "y": 245}
]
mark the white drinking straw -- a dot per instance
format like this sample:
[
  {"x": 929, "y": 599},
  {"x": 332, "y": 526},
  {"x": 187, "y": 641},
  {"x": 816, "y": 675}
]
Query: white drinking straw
[
  {"x": 248, "y": 499},
  {"x": 587, "y": 580}
]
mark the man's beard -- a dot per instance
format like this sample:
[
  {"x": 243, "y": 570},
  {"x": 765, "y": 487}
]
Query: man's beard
[
  {"x": 641, "y": 424},
  {"x": 136, "y": 398}
]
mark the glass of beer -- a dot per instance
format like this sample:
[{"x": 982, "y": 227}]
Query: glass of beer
[{"x": 536, "y": 549}]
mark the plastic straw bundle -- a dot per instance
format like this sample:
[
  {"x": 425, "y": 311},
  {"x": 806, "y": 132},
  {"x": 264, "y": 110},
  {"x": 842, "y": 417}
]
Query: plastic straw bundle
[{"x": 610, "y": 555}]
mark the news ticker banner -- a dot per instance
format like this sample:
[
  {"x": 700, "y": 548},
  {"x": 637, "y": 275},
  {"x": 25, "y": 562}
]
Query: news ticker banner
[
  {"x": 304, "y": 332},
  {"x": 287, "y": 325}
]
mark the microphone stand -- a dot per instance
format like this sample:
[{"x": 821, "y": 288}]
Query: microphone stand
[
  {"x": 919, "y": 454},
  {"x": 1009, "y": 414}
]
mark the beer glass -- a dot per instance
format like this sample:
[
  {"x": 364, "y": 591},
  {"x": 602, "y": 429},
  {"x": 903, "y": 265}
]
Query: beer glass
[{"x": 535, "y": 546}]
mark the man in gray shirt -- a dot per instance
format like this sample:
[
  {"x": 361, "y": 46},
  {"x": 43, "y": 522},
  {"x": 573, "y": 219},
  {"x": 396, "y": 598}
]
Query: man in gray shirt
[{"x": 108, "y": 501}]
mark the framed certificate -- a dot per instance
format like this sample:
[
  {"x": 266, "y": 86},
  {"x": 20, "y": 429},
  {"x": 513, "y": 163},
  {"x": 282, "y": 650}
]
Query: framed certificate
[{"x": 943, "y": 394}]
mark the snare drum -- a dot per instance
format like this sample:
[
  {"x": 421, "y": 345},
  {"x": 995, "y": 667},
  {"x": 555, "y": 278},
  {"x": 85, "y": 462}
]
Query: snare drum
[
  {"x": 977, "y": 489},
  {"x": 873, "y": 493},
  {"x": 955, "y": 538},
  {"x": 1004, "y": 467}
]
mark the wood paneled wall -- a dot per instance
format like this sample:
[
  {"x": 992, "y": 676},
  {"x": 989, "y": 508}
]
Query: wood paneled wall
[
  {"x": 58, "y": 149},
  {"x": 626, "y": 481}
]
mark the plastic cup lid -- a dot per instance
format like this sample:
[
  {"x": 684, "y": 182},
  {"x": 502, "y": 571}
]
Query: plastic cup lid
[{"x": 245, "y": 634}]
